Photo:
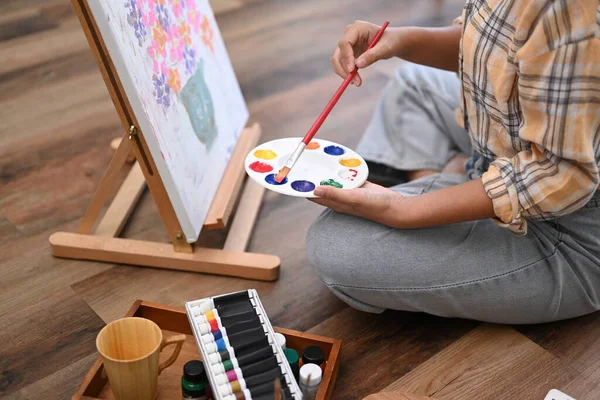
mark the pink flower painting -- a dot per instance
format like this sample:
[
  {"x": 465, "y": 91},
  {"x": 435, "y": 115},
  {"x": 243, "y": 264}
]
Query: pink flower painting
[
  {"x": 176, "y": 44},
  {"x": 166, "y": 30}
]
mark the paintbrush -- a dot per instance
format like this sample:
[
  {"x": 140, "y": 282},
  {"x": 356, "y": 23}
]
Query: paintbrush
[
  {"x": 283, "y": 173},
  {"x": 277, "y": 389}
]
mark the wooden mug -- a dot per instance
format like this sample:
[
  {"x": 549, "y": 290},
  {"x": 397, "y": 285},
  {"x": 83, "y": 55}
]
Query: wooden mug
[{"x": 130, "y": 349}]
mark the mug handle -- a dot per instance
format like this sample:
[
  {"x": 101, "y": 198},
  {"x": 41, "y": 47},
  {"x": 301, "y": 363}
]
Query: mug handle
[{"x": 178, "y": 340}]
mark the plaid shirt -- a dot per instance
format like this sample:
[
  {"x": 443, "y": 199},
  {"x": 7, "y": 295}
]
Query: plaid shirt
[{"x": 530, "y": 73}]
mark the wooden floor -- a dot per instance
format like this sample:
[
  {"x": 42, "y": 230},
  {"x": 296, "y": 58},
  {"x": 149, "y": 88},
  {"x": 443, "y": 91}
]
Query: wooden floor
[{"x": 56, "y": 123}]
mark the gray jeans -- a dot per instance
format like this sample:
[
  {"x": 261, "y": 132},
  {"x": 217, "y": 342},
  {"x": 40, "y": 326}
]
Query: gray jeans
[{"x": 475, "y": 270}]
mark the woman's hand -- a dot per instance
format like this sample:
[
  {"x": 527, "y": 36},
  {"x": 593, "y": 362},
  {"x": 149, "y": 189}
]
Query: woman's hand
[
  {"x": 370, "y": 201},
  {"x": 434, "y": 47},
  {"x": 355, "y": 41}
]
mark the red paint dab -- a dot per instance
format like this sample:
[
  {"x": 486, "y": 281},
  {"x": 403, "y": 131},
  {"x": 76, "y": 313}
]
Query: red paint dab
[
  {"x": 260, "y": 167},
  {"x": 354, "y": 173}
]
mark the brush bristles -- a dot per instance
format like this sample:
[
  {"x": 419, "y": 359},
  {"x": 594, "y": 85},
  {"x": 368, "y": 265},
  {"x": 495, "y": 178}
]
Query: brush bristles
[{"x": 282, "y": 174}]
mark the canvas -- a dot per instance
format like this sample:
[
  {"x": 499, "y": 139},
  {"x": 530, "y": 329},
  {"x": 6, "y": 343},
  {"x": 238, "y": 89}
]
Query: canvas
[{"x": 175, "y": 70}]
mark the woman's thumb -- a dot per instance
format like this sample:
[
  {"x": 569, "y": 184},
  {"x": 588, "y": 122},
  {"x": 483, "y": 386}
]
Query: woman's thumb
[{"x": 369, "y": 57}]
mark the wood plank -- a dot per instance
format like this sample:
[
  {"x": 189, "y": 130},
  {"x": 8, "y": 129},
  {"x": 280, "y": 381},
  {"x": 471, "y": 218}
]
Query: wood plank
[
  {"x": 16, "y": 83},
  {"x": 41, "y": 47},
  {"x": 574, "y": 341},
  {"x": 30, "y": 273},
  {"x": 292, "y": 59},
  {"x": 55, "y": 107},
  {"x": 585, "y": 386},
  {"x": 8, "y": 231},
  {"x": 396, "y": 396},
  {"x": 285, "y": 302},
  {"x": 61, "y": 384},
  {"x": 489, "y": 362},
  {"x": 23, "y": 23},
  {"x": 58, "y": 331},
  {"x": 385, "y": 347},
  {"x": 55, "y": 193}
]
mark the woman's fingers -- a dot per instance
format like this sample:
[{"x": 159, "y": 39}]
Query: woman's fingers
[
  {"x": 346, "y": 45},
  {"x": 357, "y": 80},
  {"x": 337, "y": 66},
  {"x": 353, "y": 42},
  {"x": 372, "y": 55},
  {"x": 339, "y": 69}
]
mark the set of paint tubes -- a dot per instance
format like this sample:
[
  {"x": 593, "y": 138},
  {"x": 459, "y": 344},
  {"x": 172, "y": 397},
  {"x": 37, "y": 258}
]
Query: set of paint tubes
[{"x": 241, "y": 353}]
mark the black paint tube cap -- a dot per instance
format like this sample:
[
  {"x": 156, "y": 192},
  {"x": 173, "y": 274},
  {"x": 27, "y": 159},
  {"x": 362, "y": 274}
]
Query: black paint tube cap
[
  {"x": 268, "y": 388},
  {"x": 313, "y": 355},
  {"x": 193, "y": 371},
  {"x": 235, "y": 308},
  {"x": 236, "y": 297}
]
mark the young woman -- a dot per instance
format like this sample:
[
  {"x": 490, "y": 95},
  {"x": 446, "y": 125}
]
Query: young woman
[{"x": 493, "y": 125}]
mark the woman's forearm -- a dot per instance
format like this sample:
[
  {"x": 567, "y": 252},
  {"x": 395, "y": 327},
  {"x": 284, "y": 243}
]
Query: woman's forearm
[
  {"x": 460, "y": 203},
  {"x": 434, "y": 47}
]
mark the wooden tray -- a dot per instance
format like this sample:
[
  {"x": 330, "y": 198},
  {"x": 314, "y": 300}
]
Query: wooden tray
[{"x": 173, "y": 320}]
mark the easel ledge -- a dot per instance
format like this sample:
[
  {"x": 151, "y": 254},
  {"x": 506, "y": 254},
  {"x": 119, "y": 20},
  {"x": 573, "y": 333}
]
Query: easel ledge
[{"x": 104, "y": 245}]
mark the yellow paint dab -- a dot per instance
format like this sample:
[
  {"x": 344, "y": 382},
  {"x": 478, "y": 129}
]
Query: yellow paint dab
[
  {"x": 265, "y": 154},
  {"x": 350, "y": 162},
  {"x": 313, "y": 146}
]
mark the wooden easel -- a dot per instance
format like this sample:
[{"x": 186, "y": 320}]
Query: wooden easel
[{"x": 103, "y": 243}]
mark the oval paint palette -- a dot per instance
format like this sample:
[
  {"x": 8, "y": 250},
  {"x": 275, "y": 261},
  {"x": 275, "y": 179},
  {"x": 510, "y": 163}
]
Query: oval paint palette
[{"x": 322, "y": 163}]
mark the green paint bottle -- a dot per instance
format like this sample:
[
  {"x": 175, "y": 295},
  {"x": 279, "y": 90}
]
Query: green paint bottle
[
  {"x": 194, "y": 383},
  {"x": 293, "y": 358}
]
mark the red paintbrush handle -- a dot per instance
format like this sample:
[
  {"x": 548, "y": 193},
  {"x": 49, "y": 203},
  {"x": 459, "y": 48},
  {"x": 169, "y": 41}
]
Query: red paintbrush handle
[{"x": 317, "y": 124}]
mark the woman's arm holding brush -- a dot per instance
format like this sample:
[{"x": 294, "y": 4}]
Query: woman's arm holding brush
[{"x": 434, "y": 47}]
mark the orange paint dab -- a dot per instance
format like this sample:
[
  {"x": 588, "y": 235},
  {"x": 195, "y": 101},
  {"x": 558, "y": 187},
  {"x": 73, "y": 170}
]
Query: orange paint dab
[
  {"x": 313, "y": 146},
  {"x": 350, "y": 162}
]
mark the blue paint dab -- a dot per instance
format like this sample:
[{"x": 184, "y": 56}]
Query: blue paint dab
[
  {"x": 271, "y": 180},
  {"x": 303, "y": 186},
  {"x": 334, "y": 150}
]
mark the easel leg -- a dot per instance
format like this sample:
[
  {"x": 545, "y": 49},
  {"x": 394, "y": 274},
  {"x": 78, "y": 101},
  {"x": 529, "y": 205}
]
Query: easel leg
[
  {"x": 114, "y": 144},
  {"x": 245, "y": 216},
  {"x": 123, "y": 204},
  {"x": 105, "y": 186}
]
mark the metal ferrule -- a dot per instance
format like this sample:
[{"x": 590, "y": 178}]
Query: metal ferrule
[{"x": 295, "y": 155}]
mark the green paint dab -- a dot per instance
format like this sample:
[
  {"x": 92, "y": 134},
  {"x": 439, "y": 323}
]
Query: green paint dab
[{"x": 331, "y": 182}]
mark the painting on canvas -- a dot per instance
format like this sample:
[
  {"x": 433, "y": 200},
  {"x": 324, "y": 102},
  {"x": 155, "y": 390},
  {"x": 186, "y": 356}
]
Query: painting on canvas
[{"x": 176, "y": 72}]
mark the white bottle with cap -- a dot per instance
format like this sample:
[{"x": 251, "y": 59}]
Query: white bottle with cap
[
  {"x": 310, "y": 379},
  {"x": 280, "y": 340}
]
